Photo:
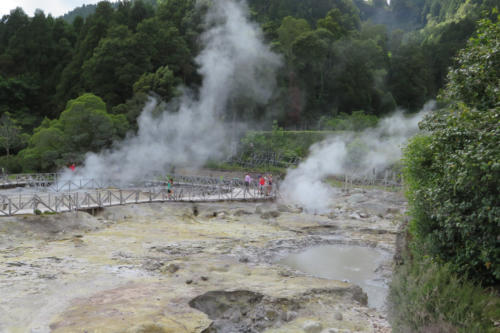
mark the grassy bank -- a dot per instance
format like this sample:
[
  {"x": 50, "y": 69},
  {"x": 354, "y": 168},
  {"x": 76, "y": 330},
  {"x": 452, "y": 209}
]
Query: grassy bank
[{"x": 427, "y": 296}]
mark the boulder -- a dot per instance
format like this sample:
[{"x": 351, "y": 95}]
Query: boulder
[
  {"x": 312, "y": 327},
  {"x": 270, "y": 214},
  {"x": 283, "y": 208}
]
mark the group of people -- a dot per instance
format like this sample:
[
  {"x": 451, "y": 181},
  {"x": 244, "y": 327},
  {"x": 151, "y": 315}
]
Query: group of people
[{"x": 265, "y": 183}]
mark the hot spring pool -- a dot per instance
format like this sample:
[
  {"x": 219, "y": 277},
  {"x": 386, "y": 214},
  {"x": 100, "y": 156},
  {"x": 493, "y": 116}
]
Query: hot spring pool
[{"x": 356, "y": 264}]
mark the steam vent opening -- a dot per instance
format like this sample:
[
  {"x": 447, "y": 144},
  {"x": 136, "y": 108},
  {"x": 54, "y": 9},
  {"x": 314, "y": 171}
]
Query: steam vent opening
[
  {"x": 358, "y": 265},
  {"x": 241, "y": 311}
]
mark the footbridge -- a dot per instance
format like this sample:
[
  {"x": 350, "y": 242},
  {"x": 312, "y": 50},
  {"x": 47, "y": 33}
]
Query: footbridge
[{"x": 49, "y": 193}]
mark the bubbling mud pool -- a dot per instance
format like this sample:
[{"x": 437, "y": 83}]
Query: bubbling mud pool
[{"x": 355, "y": 264}]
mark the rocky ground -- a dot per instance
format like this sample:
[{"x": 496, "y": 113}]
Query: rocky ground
[{"x": 190, "y": 268}]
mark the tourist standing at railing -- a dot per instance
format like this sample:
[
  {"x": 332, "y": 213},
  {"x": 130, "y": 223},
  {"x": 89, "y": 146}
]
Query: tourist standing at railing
[
  {"x": 170, "y": 191},
  {"x": 248, "y": 180},
  {"x": 269, "y": 184},
  {"x": 262, "y": 183}
]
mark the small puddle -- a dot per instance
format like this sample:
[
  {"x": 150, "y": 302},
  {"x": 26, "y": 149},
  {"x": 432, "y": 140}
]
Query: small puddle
[{"x": 357, "y": 264}]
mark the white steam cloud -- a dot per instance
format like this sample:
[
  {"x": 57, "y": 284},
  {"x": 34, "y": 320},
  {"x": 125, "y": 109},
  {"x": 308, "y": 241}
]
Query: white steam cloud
[
  {"x": 234, "y": 63},
  {"x": 356, "y": 154}
]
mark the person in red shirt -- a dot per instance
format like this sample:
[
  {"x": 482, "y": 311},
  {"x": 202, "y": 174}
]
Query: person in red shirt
[
  {"x": 262, "y": 183},
  {"x": 72, "y": 167}
]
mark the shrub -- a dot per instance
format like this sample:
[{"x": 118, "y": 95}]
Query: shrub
[
  {"x": 288, "y": 144},
  {"x": 10, "y": 164},
  {"x": 453, "y": 173},
  {"x": 427, "y": 296},
  {"x": 357, "y": 121}
]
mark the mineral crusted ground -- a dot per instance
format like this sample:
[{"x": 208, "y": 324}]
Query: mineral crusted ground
[{"x": 183, "y": 268}]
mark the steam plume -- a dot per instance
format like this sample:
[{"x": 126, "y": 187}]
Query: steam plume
[
  {"x": 352, "y": 154},
  {"x": 234, "y": 63}
]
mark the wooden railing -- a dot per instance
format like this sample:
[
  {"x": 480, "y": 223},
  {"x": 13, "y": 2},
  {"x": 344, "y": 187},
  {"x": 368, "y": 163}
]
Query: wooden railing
[{"x": 75, "y": 195}]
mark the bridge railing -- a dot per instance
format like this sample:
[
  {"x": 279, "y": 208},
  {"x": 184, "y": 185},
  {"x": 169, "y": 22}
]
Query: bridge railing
[
  {"x": 30, "y": 179},
  {"x": 55, "y": 202},
  {"x": 154, "y": 181}
]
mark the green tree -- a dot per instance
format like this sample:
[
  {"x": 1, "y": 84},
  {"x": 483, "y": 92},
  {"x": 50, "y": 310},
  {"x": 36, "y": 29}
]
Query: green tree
[
  {"x": 45, "y": 149},
  {"x": 408, "y": 12},
  {"x": 442, "y": 45},
  {"x": 290, "y": 29},
  {"x": 12, "y": 23},
  {"x": 82, "y": 127},
  {"x": 476, "y": 79},
  {"x": 10, "y": 133},
  {"x": 16, "y": 96},
  {"x": 360, "y": 65},
  {"x": 409, "y": 76},
  {"x": 166, "y": 46},
  {"x": 139, "y": 12},
  {"x": 162, "y": 83},
  {"x": 132, "y": 108},
  {"x": 312, "y": 59},
  {"x": 94, "y": 29},
  {"x": 176, "y": 12},
  {"x": 342, "y": 19},
  {"x": 454, "y": 172},
  {"x": 88, "y": 127},
  {"x": 117, "y": 62}
]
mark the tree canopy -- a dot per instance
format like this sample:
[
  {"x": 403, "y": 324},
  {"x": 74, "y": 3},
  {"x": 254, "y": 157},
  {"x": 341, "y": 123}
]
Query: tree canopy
[
  {"x": 340, "y": 56},
  {"x": 84, "y": 126}
]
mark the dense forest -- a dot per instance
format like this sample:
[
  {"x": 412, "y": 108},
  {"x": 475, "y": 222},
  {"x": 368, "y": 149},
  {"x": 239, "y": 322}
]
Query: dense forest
[{"x": 98, "y": 64}]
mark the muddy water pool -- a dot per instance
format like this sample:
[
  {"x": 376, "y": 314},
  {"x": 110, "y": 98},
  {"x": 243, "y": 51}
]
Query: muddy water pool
[{"x": 354, "y": 264}]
